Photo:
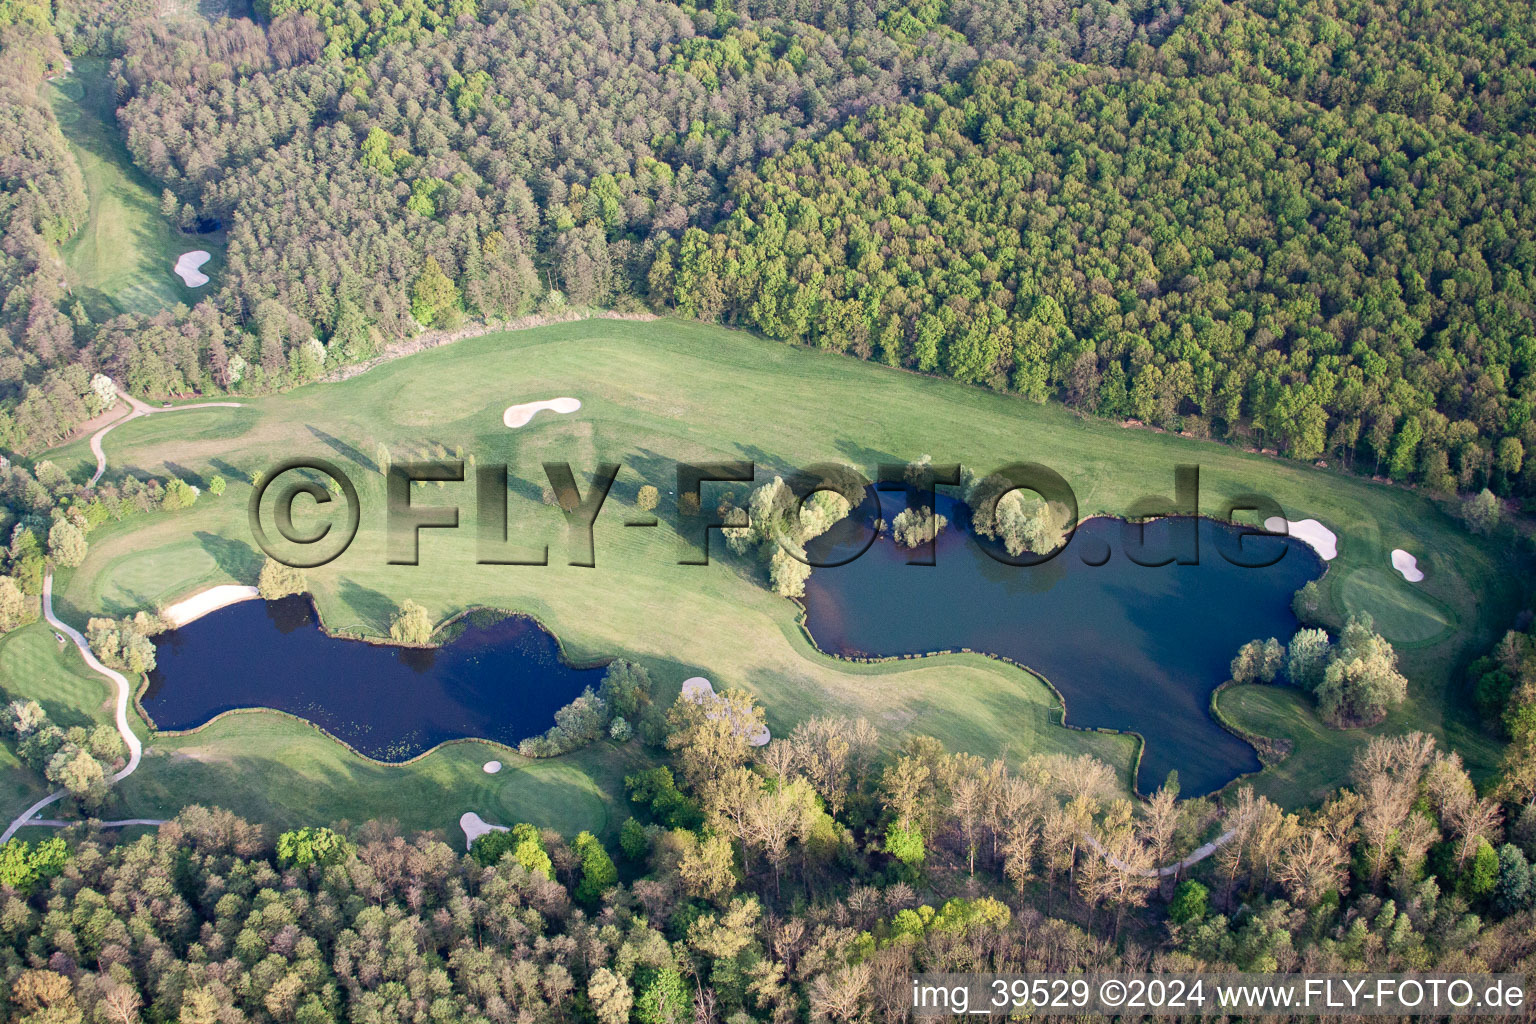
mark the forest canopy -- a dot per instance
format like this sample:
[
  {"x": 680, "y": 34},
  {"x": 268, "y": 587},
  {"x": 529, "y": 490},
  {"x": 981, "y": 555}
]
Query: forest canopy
[{"x": 1298, "y": 226}]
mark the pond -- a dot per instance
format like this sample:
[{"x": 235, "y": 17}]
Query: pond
[
  {"x": 1129, "y": 646},
  {"x": 501, "y": 678}
]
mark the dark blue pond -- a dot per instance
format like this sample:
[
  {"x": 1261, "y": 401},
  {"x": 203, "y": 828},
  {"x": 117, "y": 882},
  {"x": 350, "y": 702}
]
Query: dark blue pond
[
  {"x": 1129, "y": 646},
  {"x": 500, "y": 678}
]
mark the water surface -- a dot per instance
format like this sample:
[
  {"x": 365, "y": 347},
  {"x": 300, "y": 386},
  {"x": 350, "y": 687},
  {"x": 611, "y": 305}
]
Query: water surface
[
  {"x": 1129, "y": 646},
  {"x": 500, "y": 679}
]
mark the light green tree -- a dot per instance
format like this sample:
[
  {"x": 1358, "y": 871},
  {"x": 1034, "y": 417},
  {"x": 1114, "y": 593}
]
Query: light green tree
[
  {"x": 13, "y": 605},
  {"x": 376, "y": 151},
  {"x": 434, "y": 298},
  {"x": 278, "y": 580},
  {"x": 1482, "y": 511},
  {"x": 66, "y": 544},
  {"x": 1307, "y": 658},
  {"x": 411, "y": 624},
  {"x": 611, "y": 997},
  {"x": 178, "y": 495}
]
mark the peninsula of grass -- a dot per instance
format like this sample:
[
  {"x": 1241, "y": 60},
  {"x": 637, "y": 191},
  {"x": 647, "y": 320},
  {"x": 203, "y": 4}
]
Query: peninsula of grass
[{"x": 652, "y": 394}]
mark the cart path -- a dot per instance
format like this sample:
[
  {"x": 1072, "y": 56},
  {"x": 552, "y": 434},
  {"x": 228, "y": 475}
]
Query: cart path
[
  {"x": 137, "y": 409},
  {"x": 1167, "y": 869},
  {"x": 124, "y": 692}
]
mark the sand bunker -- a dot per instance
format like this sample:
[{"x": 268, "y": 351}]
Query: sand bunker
[
  {"x": 1309, "y": 531},
  {"x": 475, "y": 826},
  {"x": 186, "y": 268},
  {"x": 699, "y": 690},
  {"x": 1406, "y": 564},
  {"x": 518, "y": 415},
  {"x": 492, "y": 767},
  {"x": 205, "y": 601}
]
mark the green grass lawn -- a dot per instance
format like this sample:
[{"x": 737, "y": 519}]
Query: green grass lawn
[
  {"x": 653, "y": 394},
  {"x": 1402, "y": 614},
  {"x": 121, "y": 260},
  {"x": 33, "y": 665},
  {"x": 1321, "y": 756}
]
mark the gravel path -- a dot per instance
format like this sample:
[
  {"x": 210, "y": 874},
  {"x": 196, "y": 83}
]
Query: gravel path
[
  {"x": 1167, "y": 869},
  {"x": 139, "y": 409},
  {"x": 124, "y": 692}
]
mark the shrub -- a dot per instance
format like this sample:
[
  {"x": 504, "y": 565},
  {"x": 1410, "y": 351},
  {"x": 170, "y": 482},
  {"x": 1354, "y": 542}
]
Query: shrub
[
  {"x": 597, "y": 868},
  {"x": 1190, "y": 902}
]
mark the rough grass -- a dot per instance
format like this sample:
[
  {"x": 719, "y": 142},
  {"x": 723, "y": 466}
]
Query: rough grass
[
  {"x": 121, "y": 259},
  {"x": 653, "y": 394},
  {"x": 278, "y": 770}
]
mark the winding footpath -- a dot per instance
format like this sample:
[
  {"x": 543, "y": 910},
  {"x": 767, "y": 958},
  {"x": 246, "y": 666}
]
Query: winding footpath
[
  {"x": 137, "y": 409},
  {"x": 1167, "y": 869},
  {"x": 124, "y": 689},
  {"x": 124, "y": 692}
]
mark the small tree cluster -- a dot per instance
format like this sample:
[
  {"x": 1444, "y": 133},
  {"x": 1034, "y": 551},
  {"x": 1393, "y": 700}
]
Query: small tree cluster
[
  {"x": 79, "y": 759},
  {"x": 1258, "y": 661},
  {"x": 1021, "y": 519},
  {"x": 625, "y": 694},
  {"x": 125, "y": 643},
  {"x": 521, "y": 842},
  {"x": 915, "y": 527},
  {"x": 1356, "y": 681}
]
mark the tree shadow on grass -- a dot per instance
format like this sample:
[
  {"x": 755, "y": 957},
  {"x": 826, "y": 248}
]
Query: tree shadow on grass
[
  {"x": 372, "y": 609},
  {"x": 227, "y": 471},
  {"x": 123, "y": 602},
  {"x": 233, "y": 557},
  {"x": 186, "y": 475},
  {"x": 344, "y": 449}
]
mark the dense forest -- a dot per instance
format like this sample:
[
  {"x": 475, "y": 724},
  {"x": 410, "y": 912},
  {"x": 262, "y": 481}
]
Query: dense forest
[
  {"x": 1296, "y": 226},
  {"x": 1194, "y": 250},
  {"x": 805, "y": 880},
  {"x": 42, "y": 202}
]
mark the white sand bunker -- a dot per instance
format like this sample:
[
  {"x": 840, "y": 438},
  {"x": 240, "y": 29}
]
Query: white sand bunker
[
  {"x": 475, "y": 826},
  {"x": 205, "y": 601},
  {"x": 492, "y": 767},
  {"x": 700, "y": 690},
  {"x": 518, "y": 415},
  {"x": 186, "y": 268},
  {"x": 1406, "y": 564},
  {"x": 1309, "y": 531}
]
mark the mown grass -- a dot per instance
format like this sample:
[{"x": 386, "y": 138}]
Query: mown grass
[
  {"x": 35, "y": 666},
  {"x": 1400, "y": 613},
  {"x": 654, "y": 394},
  {"x": 121, "y": 259},
  {"x": 1320, "y": 757}
]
